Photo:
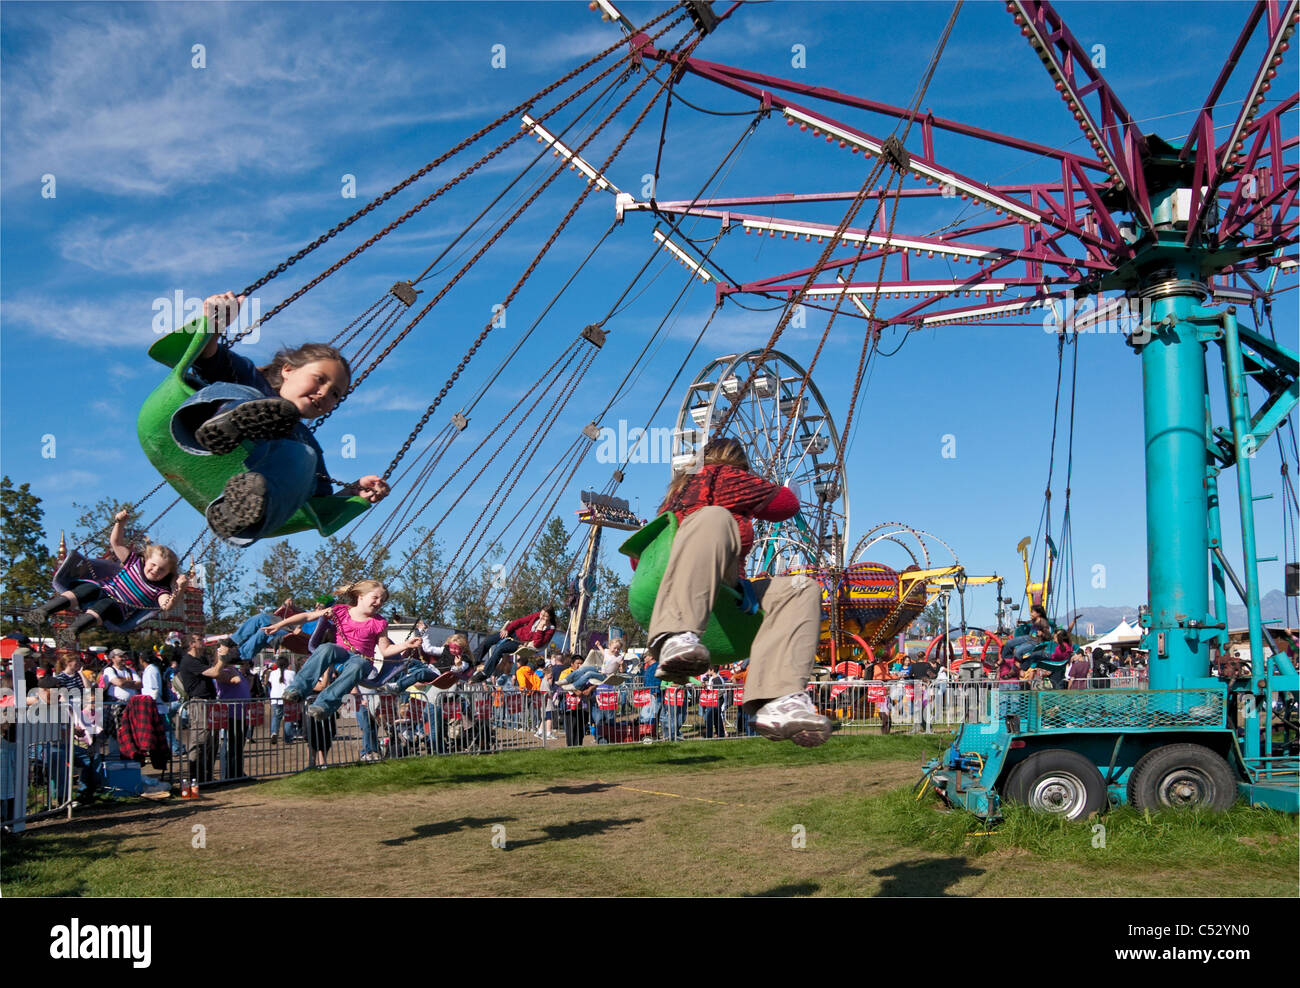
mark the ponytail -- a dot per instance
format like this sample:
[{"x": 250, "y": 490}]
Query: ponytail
[{"x": 352, "y": 592}]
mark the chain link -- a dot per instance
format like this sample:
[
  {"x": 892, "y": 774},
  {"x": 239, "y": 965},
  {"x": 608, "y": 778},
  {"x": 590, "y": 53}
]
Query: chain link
[{"x": 415, "y": 176}]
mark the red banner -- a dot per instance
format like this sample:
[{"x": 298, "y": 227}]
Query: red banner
[
  {"x": 571, "y": 700},
  {"x": 641, "y": 698},
  {"x": 607, "y": 700},
  {"x": 293, "y": 711},
  {"x": 876, "y": 692},
  {"x": 837, "y": 690},
  {"x": 708, "y": 698},
  {"x": 739, "y": 695},
  {"x": 674, "y": 696},
  {"x": 909, "y": 691},
  {"x": 218, "y": 716},
  {"x": 254, "y": 714},
  {"x": 482, "y": 706}
]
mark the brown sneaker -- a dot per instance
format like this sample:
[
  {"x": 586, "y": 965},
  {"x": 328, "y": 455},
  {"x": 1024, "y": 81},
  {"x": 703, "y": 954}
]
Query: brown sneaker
[
  {"x": 242, "y": 504},
  {"x": 262, "y": 418}
]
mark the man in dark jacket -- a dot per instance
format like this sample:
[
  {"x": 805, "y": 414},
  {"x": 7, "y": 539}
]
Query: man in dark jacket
[{"x": 197, "y": 676}]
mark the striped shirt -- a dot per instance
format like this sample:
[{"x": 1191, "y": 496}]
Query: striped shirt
[{"x": 130, "y": 587}]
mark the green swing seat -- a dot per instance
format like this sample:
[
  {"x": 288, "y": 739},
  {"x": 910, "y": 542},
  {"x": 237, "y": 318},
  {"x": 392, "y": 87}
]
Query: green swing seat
[
  {"x": 731, "y": 631},
  {"x": 201, "y": 479}
]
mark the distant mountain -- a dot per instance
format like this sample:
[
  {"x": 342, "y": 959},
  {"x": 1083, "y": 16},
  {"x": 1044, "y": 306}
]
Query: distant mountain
[{"x": 1272, "y": 607}]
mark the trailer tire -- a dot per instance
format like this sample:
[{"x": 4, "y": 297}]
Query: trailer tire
[
  {"x": 1176, "y": 776},
  {"x": 1057, "y": 781}
]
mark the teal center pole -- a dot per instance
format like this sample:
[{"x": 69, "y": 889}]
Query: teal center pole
[{"x": 1173, "y": 373}]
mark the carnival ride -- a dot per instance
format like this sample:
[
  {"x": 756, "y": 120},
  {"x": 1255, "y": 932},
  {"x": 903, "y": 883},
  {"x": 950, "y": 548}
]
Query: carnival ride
[{"x": 1195, "y": 229}]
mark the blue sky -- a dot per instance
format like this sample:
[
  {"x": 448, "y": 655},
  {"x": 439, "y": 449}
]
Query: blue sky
[{"x": 171, "y": 178}]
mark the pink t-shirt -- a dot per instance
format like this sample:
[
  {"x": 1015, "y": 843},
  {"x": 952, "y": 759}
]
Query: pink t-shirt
[{"x": 360, "y": 637}]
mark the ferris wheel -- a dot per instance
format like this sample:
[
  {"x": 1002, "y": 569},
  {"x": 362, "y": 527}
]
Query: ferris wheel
[{"x": 790, "y": 438}]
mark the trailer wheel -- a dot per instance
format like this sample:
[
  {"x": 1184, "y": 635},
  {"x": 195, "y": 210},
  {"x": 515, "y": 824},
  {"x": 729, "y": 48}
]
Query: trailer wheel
[
  {"x": 1182, "y": 775},
  {"x": 1057, "y": 781}
]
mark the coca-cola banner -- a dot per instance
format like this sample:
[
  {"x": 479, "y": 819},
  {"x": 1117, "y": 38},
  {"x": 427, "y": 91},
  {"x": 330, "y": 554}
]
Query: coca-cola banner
[
  {"x": 641, "y": 698},
  {"x": 876, "y": 692},
  {"x": 708, "y": 698},
  {"x": 674, "y": 696},
  {"x": 607, "y": 700}
]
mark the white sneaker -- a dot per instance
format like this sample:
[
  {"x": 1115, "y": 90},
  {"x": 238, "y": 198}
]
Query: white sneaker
[
  {"x": 682, "y": 656},
  {"x": 793, "y": 718}
]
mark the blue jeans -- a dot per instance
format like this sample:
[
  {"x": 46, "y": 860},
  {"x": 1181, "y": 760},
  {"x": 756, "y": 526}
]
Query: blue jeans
[
  {"x": 331, "y": 698},
  {"x": 251, "y": 638},
  {"x": 277, "y": 715},
  {"x": 289, "y": 466},
  {"x": 649, "y": 711},
  {"x": 580, "y": 678},
  {"x": 505, "y": 646},
  {"x": 369, "y": 734},
  {"x": 417, "y": 672},
  {"x": 169, "y": 724},
  {"x": 674, "y": 718}
]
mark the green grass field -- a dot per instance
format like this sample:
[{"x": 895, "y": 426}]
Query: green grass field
[{"x": 695, "y": 818}]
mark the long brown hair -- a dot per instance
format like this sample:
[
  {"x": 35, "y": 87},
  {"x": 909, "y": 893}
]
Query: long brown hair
[
  {"x": 719, "y": 451},
  {"x": 301, "y": 357}
]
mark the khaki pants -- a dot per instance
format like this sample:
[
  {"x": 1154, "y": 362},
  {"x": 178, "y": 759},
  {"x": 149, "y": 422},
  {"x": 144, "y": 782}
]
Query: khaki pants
[{"x": 706, "y": 553}]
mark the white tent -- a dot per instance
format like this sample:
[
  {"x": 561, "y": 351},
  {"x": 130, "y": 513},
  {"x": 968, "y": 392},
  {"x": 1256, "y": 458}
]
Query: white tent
[{"x": 1123, "y": 634}]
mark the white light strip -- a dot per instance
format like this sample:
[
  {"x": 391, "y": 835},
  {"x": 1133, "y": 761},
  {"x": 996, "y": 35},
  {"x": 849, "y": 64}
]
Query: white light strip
[
  {"x": 857, "y": 302},
  {"x": 682, "y": 256},
  {"x": 608, "y": 12},
  {"x": 1231, "y": 295},
  {"x": 916, "y": 167},
  {"x": 575, "y": 160},
  {"x": 897, "y": 243},
  {"x": 937, "y": 288},
  {"x": 985, "y": 311}
]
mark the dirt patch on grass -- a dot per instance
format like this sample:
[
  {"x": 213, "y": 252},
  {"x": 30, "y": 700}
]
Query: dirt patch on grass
[{"x": 694, "y": 833}]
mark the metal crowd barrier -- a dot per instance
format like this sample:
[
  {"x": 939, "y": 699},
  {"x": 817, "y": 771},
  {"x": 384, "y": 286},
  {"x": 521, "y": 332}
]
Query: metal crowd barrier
[{"x": 217, "y": 742}]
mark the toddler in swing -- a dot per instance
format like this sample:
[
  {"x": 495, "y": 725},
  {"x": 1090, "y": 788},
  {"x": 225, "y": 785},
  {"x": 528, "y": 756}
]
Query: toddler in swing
[
  {"x": 715, "y": 507},
  {"x": 269, "y": 407},
  {"x": 145, "y": 581}
]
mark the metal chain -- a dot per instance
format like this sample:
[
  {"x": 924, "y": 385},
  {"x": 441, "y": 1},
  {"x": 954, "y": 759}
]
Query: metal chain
[
  {"x": 478, "y": 342},
  {"x": 567, "y": 357},
  {"x": 98, "y": 534},
  {"x": 514, "y": 475},
  {"x": 319, "y": 241}
]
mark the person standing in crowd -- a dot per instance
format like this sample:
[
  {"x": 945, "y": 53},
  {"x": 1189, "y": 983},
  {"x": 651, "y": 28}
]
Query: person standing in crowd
[
  {"x": 67, "y": 673},
  {"x": 1080, "y": 668},
  {"x": 197, "y": 676},
  {"x": 1101, "y": 669},
  {"x": 120, "y": 683},
  {"x": 153, "y": 685},
  {"x": 234, "y": 689},
  {"x": 278, "y": 681}
]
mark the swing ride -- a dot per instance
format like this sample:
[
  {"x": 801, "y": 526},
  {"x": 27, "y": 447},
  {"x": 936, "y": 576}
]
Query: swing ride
[{"x": 1177, "y": 238}]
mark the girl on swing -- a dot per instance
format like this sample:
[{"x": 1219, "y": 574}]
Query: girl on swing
[
  {"x": 715, "y": 507},
  {"x": 359, "y": 631},
  {"x": 268, "y": 406},
  {"x": 143, "y": 582}
]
